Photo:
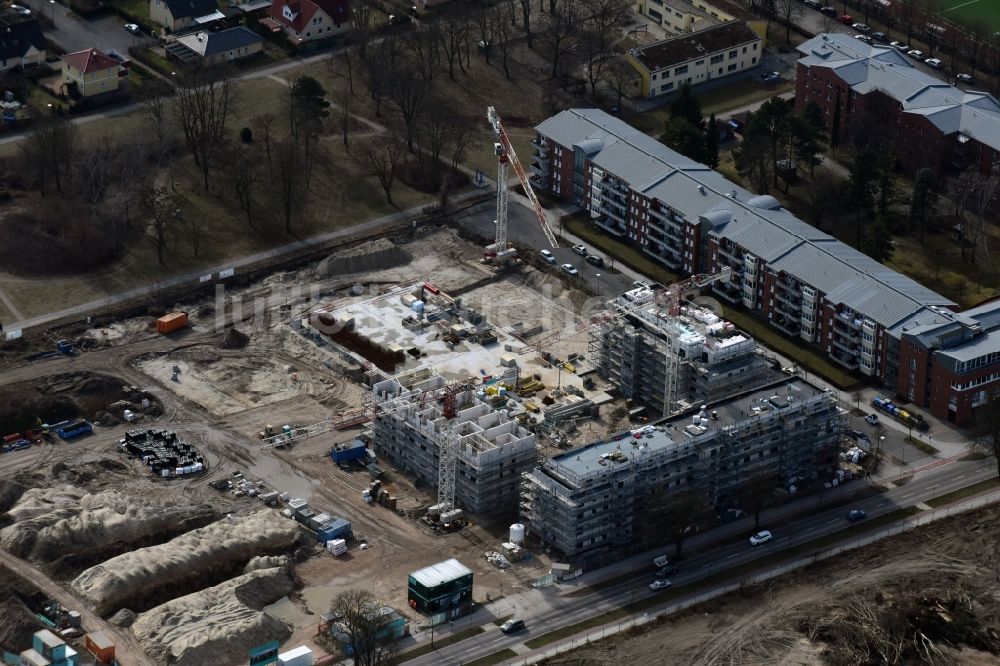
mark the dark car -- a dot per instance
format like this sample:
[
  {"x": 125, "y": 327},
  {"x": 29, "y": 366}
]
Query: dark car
[
  {"x": 736, "y": 125},
  {"x": 880, "y": 36},
  {"x": 829, "y": 11},
  {"x": 512, "y": 625},
  {"x": 667, "y": 571},
  {"x": 855, "y": 515},
  {"x": 595, "y": 259},
  {"x": 858, "y": 435}
]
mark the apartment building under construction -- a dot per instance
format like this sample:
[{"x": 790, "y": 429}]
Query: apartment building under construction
[
  {"x": 641, "y": 349},
  {"x": 590, "y": 504},
  {"x": 491, "y": 447}
]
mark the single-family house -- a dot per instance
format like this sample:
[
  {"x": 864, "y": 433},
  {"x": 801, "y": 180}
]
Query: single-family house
[
  {"x": 308, "y": 20},
  {"x": 178, "y": 14},
  {"x": 92, "y": 71},
  {"x": 211, "y": 48},
  {"x": 21, "y": 44}
]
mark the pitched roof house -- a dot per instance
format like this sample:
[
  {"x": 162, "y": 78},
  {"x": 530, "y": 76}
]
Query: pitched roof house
[
  {"x": 178, "y": 14},
  {"x": 21, "y": 43},
  {"x": 93, "y": 71},
  {"x": 309, "y": 20}
]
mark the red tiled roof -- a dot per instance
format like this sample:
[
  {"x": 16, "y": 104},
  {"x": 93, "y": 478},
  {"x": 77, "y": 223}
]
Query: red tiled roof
[
  {"x": 302, "y": 11},
  {"x": 89, "y": 60}
]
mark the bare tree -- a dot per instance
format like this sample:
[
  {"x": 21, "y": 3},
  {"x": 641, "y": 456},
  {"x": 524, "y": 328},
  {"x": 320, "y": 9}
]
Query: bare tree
[
  {"x": 560, "y": 33},
  {"x": 344, "y": 103},
  {"x": 678, "y": 515},
  {"x": 453, "y": 32},
  {"x": 363, "y": 16},
  {"x": 50, "y": 148},
  {"x": 483, "y": 15},
  {"x": 381, "y": 158},
  {"x": 154, "y": 101},
  {"x": 243, "y": 169},
  {"x": 595, "y": 58},
  {"x": 287, "y": 184},
  {"x": 620, "y": 77},
  {"x": 526, "y": 20},
  {"x": 758, "y": 494},
  {"x": 988, "y": 427},
  {"x": 381, "y": 69},
  {"x": 202, "y": 106},
  {"x": 503, "y": 33},
  {"x": 788, "y": 11},
  {"x": 362, "y": 622},
  {"x": 604, "y": 18},
  {"x": 95, "y": 167},
  {"x": 162, "y": 212},
  {"x": 263, "y": 129}
]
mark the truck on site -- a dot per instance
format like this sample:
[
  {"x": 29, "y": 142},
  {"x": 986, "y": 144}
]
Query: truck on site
[{"x": 661, "y": 562}]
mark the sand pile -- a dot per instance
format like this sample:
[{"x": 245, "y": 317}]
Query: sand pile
[
  {"x": 217, "y": 625},
  {"x": 50, "y": 522},
  {"x": 234, "y": 339},
  {"x": 202, "y": 556},
  {"x": 373, "y": 255}
]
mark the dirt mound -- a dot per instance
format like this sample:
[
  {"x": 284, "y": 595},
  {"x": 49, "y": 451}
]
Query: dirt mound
[
  {"x": 123, "y": 618},
  {"x": 53, "y": 524},
  {"x": 25, "y": 405},
  {"x": 217, "y": 625},
  {"x": 234, "y": 339},
  {"x": 202, "y": 557},
  {"x": 374, "y": 255},
  {"x": 17, "y": 617}
]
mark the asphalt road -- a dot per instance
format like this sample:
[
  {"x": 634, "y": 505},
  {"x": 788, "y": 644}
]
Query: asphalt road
[
  {"x": 523, "y": 228},
  {"x": 929, "y": 484},
  {"x": 75, "y": 33}
]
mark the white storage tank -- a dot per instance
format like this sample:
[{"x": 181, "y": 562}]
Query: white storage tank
[{"x": 517, "y": 533}]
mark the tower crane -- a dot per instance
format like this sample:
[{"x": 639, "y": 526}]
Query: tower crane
[
  {"x": 670, "y": 299},
  {"x": 506, "y": 158}
]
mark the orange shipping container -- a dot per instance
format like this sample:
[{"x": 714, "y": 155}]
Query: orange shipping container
[
  {"x": 99, "y": 645},
  {"x": 171, "y": 322}
]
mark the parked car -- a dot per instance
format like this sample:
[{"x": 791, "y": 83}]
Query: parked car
[
  {"x": 736, "y": 125},
  {"x": 829, "y": 11},
  {"x": 916, "y": 54},
  {"x": 858, "y": 435},
  {"x": 133, "y": 28},
  {"x": 846, "y": 19},
  {"x": 872, "y": 419},
  {"x": 933, "y": 62},
  {"x": 595, "y": 259},
  {"x": 761, "y": 537},
  {"x": 659, "y": 584},
  {"x": 964, "y": 78},
  {"x": 639, "y": 284},
  {"x": 580, "y": 250},
  {"x": 667, "y": 571},
  {"x": 815, "y": 4},
  {"x": 569, "y": 270},
  {"x": 855, "y": 515},
  {"x": 864, "y": 38},
  {"x": 771, "y": 77},
  {"x": 547, "y": 256},
  {"x": 880, "y": 36},
  {"x": 862, "y": 27},
  {"x": 900, "y": 46},
  {"x": 512, "y": 625},
  {"x": 23, "y": 11}
]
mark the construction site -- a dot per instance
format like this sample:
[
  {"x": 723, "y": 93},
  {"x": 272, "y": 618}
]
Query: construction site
[{"x": 207, "y": 475}]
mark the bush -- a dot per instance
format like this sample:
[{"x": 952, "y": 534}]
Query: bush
[{"x": 246, "y": 135}]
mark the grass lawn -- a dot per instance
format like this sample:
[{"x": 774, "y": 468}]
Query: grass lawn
[
  {"x": 985, "y": 12},
  {"x": 948, "y": 498},
  {"x": 495, "y": 658},
  {"x": 615, "y": 250},
  {"x": 573, "y": 629}
]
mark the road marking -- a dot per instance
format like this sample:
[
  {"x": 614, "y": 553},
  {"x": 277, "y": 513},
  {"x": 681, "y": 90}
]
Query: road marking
[
  {"x": 732, "y": 556},
  {"x": 923, "y": 507},
  {"x": 905, "y": 496},
  {"x": 959, "y": 478}
]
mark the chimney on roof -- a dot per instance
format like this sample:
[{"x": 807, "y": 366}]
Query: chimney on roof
[{"x": 701, "y": 188}]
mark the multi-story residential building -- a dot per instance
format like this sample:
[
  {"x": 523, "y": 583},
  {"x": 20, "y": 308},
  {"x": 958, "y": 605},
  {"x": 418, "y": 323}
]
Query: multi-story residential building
[
  {"x": 682, "y": 16},
  {"x": 179, "y": 14},
  {"x": 22, "y": 43},
  {"x": 802, "y": 281},
  {"x": 641, "y": 350},
  {"x": 727, "y": 50},
  {"x": 91, "y": 71},
  {"x": 591, "y": 504},
  {"x": 493, "y": 448},
  {"x": 930, "y": 123}
]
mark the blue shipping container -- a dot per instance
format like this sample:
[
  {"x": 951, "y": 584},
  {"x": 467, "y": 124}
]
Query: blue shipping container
[
  {"x": 353, "y": 450},
  {"x": 75, "y": 429},
  {"x": 338, "y": 529}
]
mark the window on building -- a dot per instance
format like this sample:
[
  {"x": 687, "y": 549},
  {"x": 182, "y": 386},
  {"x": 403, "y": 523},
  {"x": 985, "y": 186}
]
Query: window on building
[
  {"x": 753, "y": 61},
  {"x": 732, "y": 54},
  {"x": 716, "y": 59},
  {"x": 680, "y": 70},
  {"x": 744, "y": 49},
  {"x": 731, "y": 68},
  {"x": 700, "y": 62}
]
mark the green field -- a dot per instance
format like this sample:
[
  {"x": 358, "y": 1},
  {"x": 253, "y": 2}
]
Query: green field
[{"x": 973, "y": 11}]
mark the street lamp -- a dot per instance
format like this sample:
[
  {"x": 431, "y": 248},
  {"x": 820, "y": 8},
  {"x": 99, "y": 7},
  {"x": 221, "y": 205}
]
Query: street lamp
[
  {"x": 598, "y": 285},
  {"x": 52, "y": 10}
]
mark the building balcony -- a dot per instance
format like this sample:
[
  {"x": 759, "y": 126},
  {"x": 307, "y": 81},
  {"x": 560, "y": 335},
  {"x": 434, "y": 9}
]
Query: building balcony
[
  {"x": 733, "y": 295},
  {"x": 788, "y": 326},
  {"x": 541, "y": 160},
  {"x": 539, "y": 146},
  {"x": 663, "y": 253},
  {"x": 847, "y": 321},
  {"x": 789, "y": 298},
  {"x": 610, "y": 225},
  {"x": 847, "y": 345},
  {"x": 849, "y": 361},
  {"x": 538, "y": 171}
]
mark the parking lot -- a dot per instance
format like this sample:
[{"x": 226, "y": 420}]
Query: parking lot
[{"x": 75, "y": 33}]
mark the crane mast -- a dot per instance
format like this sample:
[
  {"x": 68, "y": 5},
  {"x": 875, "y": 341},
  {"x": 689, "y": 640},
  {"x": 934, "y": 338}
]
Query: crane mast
[{"x": 507, "y": 158}]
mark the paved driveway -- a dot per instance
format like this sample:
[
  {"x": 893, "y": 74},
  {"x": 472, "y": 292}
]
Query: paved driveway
[{"x": 76, "y": 33}]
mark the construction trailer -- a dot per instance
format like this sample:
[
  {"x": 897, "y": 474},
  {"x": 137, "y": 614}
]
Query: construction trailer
[
  {"x": 671, "y": 363},
  {"x": 485, "y": 450},
  {"x": 445, "y": 587},
  {"x": 592, "y": 504}
]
